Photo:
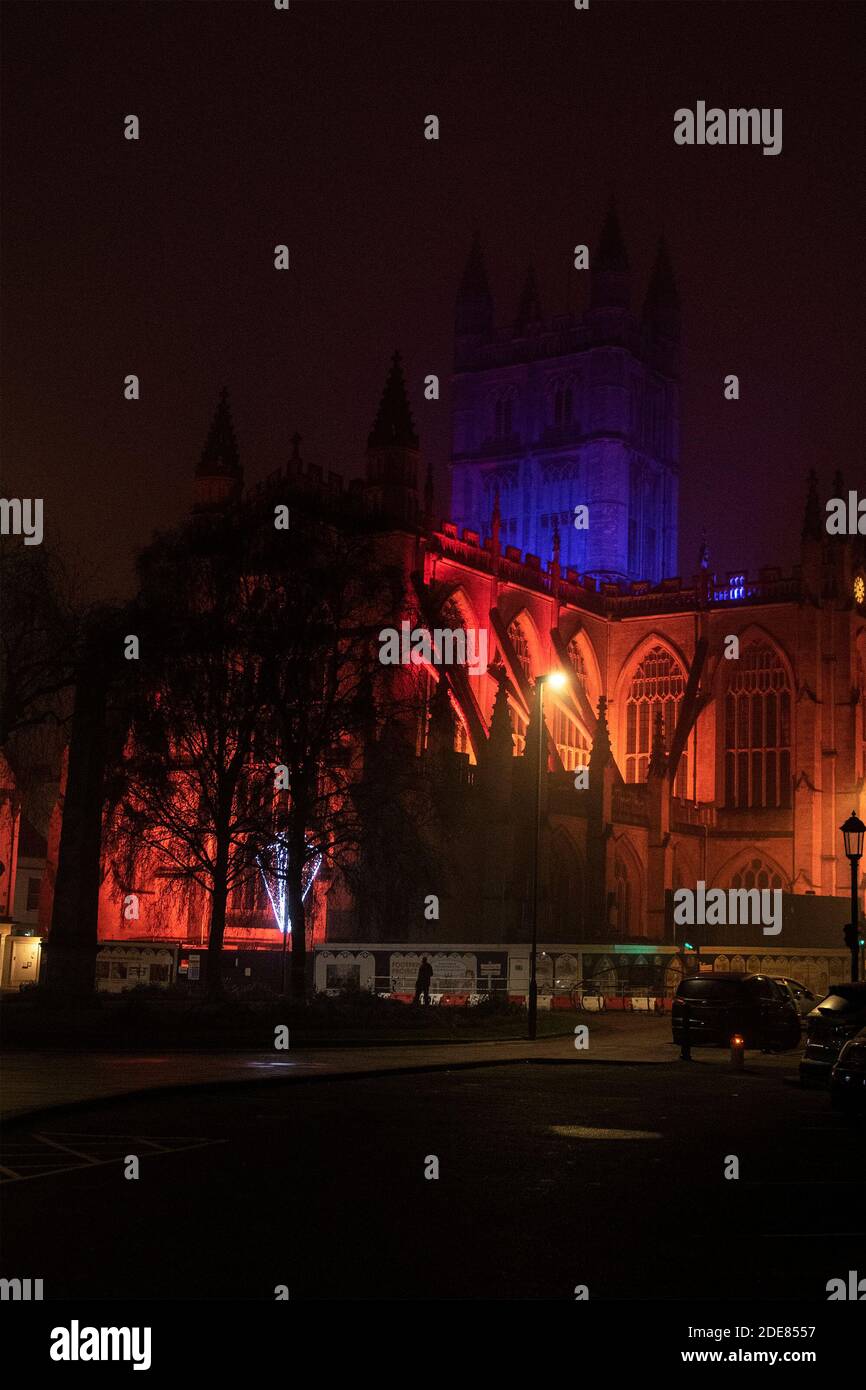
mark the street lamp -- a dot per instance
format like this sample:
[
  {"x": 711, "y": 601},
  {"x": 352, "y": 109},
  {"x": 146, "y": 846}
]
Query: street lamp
[
  {"x": 557, "y": 680},
  {"x": 852, "y": 837}
]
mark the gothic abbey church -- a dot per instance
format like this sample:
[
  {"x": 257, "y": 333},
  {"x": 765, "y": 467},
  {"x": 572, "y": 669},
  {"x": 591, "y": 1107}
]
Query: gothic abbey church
[{"x": 735, "y": 770}]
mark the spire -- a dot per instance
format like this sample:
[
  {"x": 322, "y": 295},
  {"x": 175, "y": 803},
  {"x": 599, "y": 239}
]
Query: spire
[
  {"x": 532, "y": 731},
  {"x": 557, "y": 544},
  {"x": 474, "y": 313},
  {"x": 600, "y": 754},
  {"x": 658, "y": 763},
  {"x": 219, "y": 476},
  {"x": 529, "y": 308},
  {"x": 394, "y": 424},
  {"x": 611, "y": 253},
  {"x": 609, "y": 266},
  {"x": 440, "y": 734},
  {"x": 812, "y": 515},
  {"x": 661, "y": 308},
  {"x": 220, "y": 457},
  {"x": 500, "y": 743}
]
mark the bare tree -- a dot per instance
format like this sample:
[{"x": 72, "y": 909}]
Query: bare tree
[
  {"x": 327, "y": 592},
  {"x": 180, "y": 804}
]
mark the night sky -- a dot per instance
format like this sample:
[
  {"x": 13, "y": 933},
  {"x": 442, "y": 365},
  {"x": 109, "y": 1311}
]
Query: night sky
[{"x": 260, "y": 127}]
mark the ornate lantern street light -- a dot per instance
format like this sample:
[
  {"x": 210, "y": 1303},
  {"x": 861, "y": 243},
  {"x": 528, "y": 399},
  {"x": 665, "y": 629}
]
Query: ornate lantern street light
[{"x": 853, "y": 832}]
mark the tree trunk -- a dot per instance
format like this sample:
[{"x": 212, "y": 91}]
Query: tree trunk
[
  {"x": 70, "y": 950},
  {"x": 219, "y": 901},
  {"x": 295, "y": 894},
  {"x": 299, "y": 936}
]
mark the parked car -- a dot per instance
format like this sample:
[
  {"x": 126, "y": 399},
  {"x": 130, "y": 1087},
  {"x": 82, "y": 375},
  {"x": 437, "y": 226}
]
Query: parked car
[
  {"x": 804, "y": 1000},
  {"x": 755, "y": 1006},
  {"x": 836, "y": 1020},
  {"x": 848, "y": 1077}
]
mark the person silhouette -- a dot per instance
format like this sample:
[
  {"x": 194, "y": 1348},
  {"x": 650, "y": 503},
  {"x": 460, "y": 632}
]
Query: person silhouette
[{"x": 422, "y": 984}]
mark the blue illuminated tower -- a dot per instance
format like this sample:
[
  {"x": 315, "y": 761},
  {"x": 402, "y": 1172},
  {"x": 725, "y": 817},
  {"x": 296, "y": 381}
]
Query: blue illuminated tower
[{"x": 573, "y": 409}]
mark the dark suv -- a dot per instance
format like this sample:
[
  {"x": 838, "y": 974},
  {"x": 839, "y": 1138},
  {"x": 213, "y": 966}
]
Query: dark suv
[
  {"x": 836, "y": 1020},
  {"x": 754, "y": 1006}
]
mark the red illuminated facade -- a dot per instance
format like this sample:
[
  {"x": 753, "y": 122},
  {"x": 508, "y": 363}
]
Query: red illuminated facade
[{"x": 722, "y": 719}]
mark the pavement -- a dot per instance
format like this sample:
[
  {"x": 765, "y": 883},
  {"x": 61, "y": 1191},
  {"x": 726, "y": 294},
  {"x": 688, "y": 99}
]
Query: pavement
[
  {"x": 35, "y": 1082},
  {"x": 664, "y": 1181}
]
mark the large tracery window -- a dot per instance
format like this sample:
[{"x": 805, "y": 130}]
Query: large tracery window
[
  {"x": 756, "y": 874},
  {"x": 571, "y": 742},
  {"x": 658, "y": 684},
  {"x": 758, "y": 731}
]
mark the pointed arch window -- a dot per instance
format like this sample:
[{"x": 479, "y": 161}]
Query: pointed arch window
[
  {"x": 569, "y": 737},
  {"x": 625, "y": 899},
  {"x": 503, "y": 416},
  {"x": 756, "y": 874},
  {"x": 571, "y": 742},
  {"x": 758, "y": 731},
  {"x": 658, "y": 684}
]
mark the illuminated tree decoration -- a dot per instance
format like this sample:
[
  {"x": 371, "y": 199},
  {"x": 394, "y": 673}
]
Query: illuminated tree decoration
[{"x": 274, "y": 872}]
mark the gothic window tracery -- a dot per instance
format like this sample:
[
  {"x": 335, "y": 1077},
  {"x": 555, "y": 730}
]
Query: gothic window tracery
[
  {"x": 756, "y": 874},
  {"x": 758, "y": 731},
  {"x": 658, "y": 684},
  {"x": 571, "y": 742},
  {"x": 569, "y": 737}
]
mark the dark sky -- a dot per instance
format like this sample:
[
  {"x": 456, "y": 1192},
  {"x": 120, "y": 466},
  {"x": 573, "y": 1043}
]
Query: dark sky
[{"x": 305, "y": 127}]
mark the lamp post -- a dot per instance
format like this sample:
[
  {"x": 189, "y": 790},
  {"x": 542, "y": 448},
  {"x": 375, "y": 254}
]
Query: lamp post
[
  {"x": 556, "y": 680},
  {"x": 852, "y": 837}
]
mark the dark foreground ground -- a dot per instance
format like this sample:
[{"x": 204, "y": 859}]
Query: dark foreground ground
[{"x": 550, "y": 1176}]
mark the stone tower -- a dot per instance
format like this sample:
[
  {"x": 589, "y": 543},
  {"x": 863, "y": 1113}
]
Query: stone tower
[
  {"x": 554, "y": 413},
  {"x": 219, "y": 477}
]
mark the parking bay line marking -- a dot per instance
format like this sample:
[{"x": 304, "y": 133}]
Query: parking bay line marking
[
  {"x": 84, "y": 1166},
  {"x": 65, "y": 1148}
]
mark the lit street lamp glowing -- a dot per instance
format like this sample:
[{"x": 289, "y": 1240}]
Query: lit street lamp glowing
[{"x": 557, "y": 680}]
